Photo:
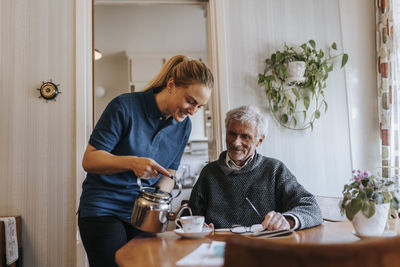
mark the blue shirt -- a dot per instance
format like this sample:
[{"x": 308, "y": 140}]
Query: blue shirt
[{"x": 131, "y": 124}]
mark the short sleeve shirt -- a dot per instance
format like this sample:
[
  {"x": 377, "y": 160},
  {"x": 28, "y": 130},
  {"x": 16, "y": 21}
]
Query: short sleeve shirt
[{"x": 131, "y": 124}]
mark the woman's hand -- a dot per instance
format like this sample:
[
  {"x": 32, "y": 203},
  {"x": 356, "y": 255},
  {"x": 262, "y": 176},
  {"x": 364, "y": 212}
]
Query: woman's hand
[
  {"x": 103, "y": 162},
  {"x": 147, "y": 168}
]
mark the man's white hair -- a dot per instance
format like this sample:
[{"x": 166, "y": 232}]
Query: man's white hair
[{"x": 250, "y": 114}]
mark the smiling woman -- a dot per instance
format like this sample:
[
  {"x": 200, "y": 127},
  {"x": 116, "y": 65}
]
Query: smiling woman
[
  {"x": 139, "y": 135},
  {"x": 136, "y": 41}
]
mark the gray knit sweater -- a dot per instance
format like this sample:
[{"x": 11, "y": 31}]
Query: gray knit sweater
[{"x": 220, "y": 193}]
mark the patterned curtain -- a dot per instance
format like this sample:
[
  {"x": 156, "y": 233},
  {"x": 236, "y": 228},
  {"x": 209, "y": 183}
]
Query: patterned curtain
[{"x": 388, "y": 53}]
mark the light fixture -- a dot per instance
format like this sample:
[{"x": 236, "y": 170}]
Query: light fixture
[
  {"x": 97, "y": 54},
  {"x": 99, "y": 91}
]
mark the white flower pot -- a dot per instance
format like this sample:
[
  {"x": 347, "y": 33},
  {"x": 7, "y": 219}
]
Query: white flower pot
[
  {"x": 373, "y": 226},
  {"x": 295, "y": 71}
]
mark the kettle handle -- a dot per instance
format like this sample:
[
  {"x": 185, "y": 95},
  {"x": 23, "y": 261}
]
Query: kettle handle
[
  {"x": 139, "y": 182},
  {"x": 179, "y": 186}
]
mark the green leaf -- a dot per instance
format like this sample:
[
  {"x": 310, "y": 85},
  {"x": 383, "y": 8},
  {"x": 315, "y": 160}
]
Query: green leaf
[
  {"x": 270, "y": 78},
  {"x": 312, "y": 43},
  {"x": 317, "y": 114},
  {"x": 275, "y": 109},
  {"x": 334, "y": 46},
  {"x": 349, "y": 213},
  {"x": 368, "y": 208},
  {"x": 261, "y": 78},
  {"x": 279, "y": 56},
  {"x": 273, "y": 59},
  {"x": 282, "y": 72},
  {"x": 295, "y": 121},
  {"x": 305, "y": 115},
  {"x": 267, "y": 87},
  {"x": 344, "y": 59},
  {"x": 284, "y": 118},
  {"x": 355, "y": 205},
  {"x": 291, "y": 106},
  {"x": 330, "y": 68},
  {"x": 326, "y": 106},
  {"x": 306, "y": 102},
  {"x": 362, "y": 194},
  {"x": 312, "y": 126},
  {"x": 296, "y": 93},
  {"x": 369, "y": 192}
]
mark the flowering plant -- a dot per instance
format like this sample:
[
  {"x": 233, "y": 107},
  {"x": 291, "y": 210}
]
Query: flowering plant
[{"x": 364, "y": 192}]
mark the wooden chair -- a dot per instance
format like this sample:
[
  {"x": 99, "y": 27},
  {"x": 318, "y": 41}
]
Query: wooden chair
[
  {"x": 243, "y": 251},
  {"x": 330, "y": 209}
]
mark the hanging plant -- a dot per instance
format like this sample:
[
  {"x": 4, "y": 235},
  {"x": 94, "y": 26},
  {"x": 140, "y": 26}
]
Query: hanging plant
[{"x": 297, "y": 99}]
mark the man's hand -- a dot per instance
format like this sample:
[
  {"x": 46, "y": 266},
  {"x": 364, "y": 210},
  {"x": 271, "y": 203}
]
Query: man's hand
[{"x": 276, "y": 221}]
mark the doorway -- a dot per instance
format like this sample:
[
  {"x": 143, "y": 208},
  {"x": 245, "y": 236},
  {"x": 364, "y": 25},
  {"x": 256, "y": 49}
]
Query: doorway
[{"x": 85, "y": 89}]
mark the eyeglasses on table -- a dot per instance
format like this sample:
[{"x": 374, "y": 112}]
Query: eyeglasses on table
[{"x": 239, "y": 229}]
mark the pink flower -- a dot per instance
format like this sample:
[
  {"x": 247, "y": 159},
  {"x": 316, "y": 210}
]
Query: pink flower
[
  {"x": 360, "y": 175},
  {"x": 361, "y": 187},
  {"x": 366, "y": 174}
]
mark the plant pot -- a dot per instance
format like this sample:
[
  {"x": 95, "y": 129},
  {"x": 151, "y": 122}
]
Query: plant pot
[
  {"x": 373, "y": 226},
  {"x": 295, "y": 71}
]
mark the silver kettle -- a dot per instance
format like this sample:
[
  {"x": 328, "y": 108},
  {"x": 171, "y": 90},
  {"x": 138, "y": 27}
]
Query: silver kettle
[{"x": 152, "y": 209}]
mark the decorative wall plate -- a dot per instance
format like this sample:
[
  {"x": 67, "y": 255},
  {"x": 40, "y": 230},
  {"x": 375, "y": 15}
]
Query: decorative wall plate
[{"x": 49, "y": 90}]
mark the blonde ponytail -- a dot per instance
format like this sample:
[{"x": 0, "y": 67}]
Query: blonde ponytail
[{"x": 185, "y": 71}]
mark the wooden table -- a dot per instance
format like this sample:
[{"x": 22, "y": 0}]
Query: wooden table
[{"x": 167, "y": 248}]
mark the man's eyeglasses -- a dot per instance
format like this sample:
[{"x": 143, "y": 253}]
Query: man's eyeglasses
[{"x": 238, "y": 229}]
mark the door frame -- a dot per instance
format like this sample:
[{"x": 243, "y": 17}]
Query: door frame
[{"x": 84, "y": 85}]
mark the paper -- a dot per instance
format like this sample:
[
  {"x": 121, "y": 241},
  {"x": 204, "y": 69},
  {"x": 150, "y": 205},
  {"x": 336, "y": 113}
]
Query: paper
[{"x": 206, "y": 254}]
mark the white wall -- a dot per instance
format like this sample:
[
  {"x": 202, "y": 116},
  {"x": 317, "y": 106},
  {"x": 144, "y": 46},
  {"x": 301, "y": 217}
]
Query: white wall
[
  {"x": 112, "y": 73},
  {"x": 321, "y": 159},
  {"x": 167, "y": 34},
  {"x": 37, "y": 163}
]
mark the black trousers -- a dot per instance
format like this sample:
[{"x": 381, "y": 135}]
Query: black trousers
[{"x": 103, "y": 236}]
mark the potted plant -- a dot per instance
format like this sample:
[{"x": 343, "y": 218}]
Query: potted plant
[
  {"x": 293, "y": 96},
  {"x": 367, "y": 201}
]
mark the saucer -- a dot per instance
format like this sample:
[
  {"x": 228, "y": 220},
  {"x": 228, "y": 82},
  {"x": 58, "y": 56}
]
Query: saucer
[
  {"x": 205, "y": 232},
  {"x": 386, "y": 233}
]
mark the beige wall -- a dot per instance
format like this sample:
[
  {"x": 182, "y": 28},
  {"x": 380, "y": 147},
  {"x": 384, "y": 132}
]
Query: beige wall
[
  {"x": 37, "y": 145},
  {"x": 37, "y": 138},
  {"x": 346, "y": 137}
]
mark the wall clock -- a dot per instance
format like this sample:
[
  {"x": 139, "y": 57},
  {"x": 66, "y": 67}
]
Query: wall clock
[{"x": 49, "y": 90}]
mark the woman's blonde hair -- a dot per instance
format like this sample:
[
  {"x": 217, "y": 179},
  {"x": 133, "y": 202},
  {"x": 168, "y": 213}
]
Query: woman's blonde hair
[{"x": 185, "y": 71}]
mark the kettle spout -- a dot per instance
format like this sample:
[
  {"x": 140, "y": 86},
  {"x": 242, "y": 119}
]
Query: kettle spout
[{"x": 172, "y": 216}]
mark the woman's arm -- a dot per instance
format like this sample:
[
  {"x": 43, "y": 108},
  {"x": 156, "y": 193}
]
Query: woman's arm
[{"x": 103, "y": 162}]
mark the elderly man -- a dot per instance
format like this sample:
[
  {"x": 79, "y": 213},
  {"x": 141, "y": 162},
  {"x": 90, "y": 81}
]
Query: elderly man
[{"x": 245, "y": 188}]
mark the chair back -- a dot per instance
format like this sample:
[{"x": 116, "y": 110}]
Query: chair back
[
  {"x": 244, "y": 251},
  {"x": 330, "y": 208}
]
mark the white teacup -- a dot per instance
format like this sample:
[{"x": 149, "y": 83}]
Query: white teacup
[{"x": 190, "y": 224}]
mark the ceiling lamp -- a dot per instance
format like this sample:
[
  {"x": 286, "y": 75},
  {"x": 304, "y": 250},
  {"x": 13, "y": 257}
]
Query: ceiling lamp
[{"x": 97, "y": 54}]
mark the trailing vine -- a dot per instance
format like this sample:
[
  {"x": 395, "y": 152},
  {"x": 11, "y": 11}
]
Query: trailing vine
[{"x": 296, "y": 105}]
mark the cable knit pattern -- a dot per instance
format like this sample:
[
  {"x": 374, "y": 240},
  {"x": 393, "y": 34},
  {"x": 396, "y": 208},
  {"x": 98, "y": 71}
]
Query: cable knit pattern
[{"x": 220, "y": 193}]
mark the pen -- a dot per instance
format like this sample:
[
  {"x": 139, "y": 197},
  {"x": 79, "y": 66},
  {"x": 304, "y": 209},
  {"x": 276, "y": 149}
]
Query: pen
[{"x": 254, "y": 208}]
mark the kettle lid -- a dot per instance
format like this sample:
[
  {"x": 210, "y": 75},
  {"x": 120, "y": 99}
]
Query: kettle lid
[{"x": 152, "y": 194}]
